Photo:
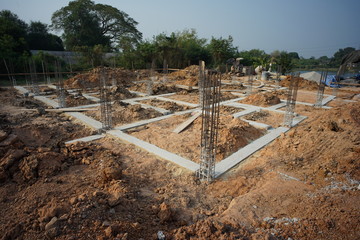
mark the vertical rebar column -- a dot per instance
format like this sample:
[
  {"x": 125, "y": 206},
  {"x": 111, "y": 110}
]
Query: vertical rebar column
[
  {"x": 13, "y": 79},
  {"x": 291, "y": 100},
  {"x": 209, "y": 127},
  {"x": 150, "y": 82},
  {"x": 250, "y": 82},
  {"x": 165, "y": 71},
  {"x": 33, "y": 76},
  {"x": 113, "y": 80},
  {"x": 201, "y": 81},
  {"x": 61, "y": 92},
  {"x": 321, "y": 89},
  {"x": 277, "y": 80},
  {"x": 105, "y": 103},
  {"x": 336, "y": 85}
]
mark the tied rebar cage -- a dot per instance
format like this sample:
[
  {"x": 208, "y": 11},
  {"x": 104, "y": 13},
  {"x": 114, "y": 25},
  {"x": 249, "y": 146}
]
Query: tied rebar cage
[
  {"x": 321, "y": 89},
  {"x": 250, "y": 82},
  {"x": 201, "y": 81},
  {"x": 105, "y": 103},
  {"x": 209, "y": 128},
  {"x": 61, "y": 92},
  {"x": 336, "y": 85},
  {"x": 291, "y": 99},
  {"x": 33, "y": 77},
  {"x": 277, "y": 80}
]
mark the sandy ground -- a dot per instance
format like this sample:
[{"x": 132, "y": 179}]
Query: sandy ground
[{"x": 304, "y": 185}]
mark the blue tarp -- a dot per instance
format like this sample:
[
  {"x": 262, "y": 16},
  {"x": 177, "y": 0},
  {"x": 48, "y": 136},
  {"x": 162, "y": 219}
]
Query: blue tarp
[{"x": 329, "y": 81}]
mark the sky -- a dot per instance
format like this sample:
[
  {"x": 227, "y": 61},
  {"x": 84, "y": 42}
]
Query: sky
[{"x": 308, "y": 27}]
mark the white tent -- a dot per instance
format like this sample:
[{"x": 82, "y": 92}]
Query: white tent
[{"x": 311, "y": 76}]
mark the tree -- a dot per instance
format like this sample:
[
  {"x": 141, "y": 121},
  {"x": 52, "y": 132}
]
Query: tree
[
  {"x": 338, "y": 56},
  {"x": 285, "y": 61},
  {"x": 39, "y": 38},
  {"x": 13, "y": 46},
  {"x": 221, "y": 50},
  {"x": 254, "y": 57},
  {"x": 85, "y": 23}
]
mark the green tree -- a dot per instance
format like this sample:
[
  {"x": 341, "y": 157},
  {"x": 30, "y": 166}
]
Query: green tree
[
  {"x": 221, "y": 50},
  {"x": 13, "y": 46},
  {"x": 39, "y": 38},
  {"x": 85, "y": 23},
  {"x": 254, "y": 57},
  {"x": 285, "y": 61},
  {"x": 338, "y": 56}
]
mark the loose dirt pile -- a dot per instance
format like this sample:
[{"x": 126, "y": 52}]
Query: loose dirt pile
[
  {"x": 309, "y": 178},
  {"x": 171, "y": 106},
  {"x": 120, "y": 93},
  {"x": 303, "y": 83},
  {"x": 267, "y": 117},
  {"x": 92, "y": 79},
  {"x": 123, "y": 113},
  {"x": 188, "y": 72},
  {"x": 158, "y": 88},
  {"x": 263, "y": 99},
  {"x": 77, "y": 100},
  {"x": 233, "y": 134}
]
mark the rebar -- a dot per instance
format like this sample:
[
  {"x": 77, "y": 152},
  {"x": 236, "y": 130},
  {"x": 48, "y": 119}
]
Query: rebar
[
  {"x": 33, "y": 77},
  {"x": 165, "y": 71},
  {"x": 277, "y": 80},
  {"x": 201, "y": 81},
  {"x": 61, "y": 92},
  {"x": 291, "y": 100},
  {"x": 209, "y": 125},
  {"x": 250, "y": 82},
  {"x": 321, "y": 89},
  {"x": 336, "y": 86},
  {"x": 105, "y": 103}
]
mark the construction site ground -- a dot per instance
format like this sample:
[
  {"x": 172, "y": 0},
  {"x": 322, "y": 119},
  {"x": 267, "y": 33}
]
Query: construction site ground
[{"x": 305, "y": 184}]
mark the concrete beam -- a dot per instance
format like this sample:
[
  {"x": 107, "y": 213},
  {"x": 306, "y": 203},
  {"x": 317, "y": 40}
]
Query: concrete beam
[
  {"x": 231, "y": 161},
  {"x": 47, "y": 101},
  {"x": 183, "y": 162},
  {"x": 87, "y": 120},
  {"x": 85, "y": 139},
  {"x": 21, "y": 90}
]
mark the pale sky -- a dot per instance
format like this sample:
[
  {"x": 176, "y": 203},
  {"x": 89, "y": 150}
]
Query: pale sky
[{"x": 309, "y": 27}]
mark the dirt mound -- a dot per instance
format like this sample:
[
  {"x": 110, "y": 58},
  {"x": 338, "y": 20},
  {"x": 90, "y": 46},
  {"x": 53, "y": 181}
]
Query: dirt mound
[
  {"x": 191, "y": 71},
  {"x": 315, "y": 165},
  {"x": 91, "y": 79},
  {"x": 120, "y": 93},
  {"x": 77, "y": 100},
  {"x": 234, "y": 134},
  {"x": 171, "y": 106},
  {"x": 123, "y": 113},
  {"x": 303, "y": 83},
  {"x": 262, "y": 99},
  {"x": 191, "y": 81},
  {"x": 158, "y": 88}
]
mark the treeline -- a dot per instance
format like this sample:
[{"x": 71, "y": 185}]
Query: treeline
[{"x": 95, "y": 29}]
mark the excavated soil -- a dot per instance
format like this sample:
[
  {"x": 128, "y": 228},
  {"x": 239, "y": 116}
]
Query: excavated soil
[
  {"x": 263, "y": 99},
  {"x": 304, "y": 185},
  {"x": 158, "y": 88},
  {"x": 233, "y": 134},
  {"x": 270, "y": 118},
  {"x": 91, "y": 79},
  {"x": 303, "y": 83},
  {"x": 123, "y": 113},
  {"x": 77, "y": 100},
  {"x": 171, "y": 106}
]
